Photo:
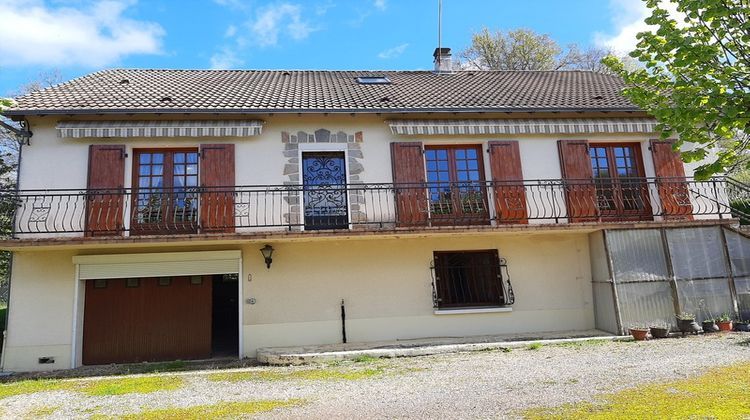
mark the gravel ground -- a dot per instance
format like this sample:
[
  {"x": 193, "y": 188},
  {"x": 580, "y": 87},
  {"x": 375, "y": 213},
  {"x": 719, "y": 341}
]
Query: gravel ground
[{"x": 493, "y": 384}]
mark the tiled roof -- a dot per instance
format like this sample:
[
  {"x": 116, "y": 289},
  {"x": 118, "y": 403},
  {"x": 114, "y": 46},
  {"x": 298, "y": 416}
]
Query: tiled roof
[{"x": 231, "y": 91}]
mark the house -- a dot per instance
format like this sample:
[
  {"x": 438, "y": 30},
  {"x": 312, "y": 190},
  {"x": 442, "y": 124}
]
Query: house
[{"x": 190, "y": 214}]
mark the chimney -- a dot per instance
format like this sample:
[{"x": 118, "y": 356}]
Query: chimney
[{"x": 443, "y": 63}]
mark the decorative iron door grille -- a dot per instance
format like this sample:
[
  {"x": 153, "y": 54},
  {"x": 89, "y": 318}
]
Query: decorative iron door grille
[{"x": 324, "y": 184}]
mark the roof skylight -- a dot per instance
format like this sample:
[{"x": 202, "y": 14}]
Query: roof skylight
[{"x": 373, "y": 80}]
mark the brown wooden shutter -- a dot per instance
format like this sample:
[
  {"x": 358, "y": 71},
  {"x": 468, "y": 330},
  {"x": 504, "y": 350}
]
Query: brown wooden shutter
[
  {"x": 409, "y": 180},
  {"x": 507, "y": 181},
  {"x": 580, "y": 191},
  {"x": 670, "y": 180},
  {"x": 217, "y": 186},
  {"x": 104, "y": 204}
]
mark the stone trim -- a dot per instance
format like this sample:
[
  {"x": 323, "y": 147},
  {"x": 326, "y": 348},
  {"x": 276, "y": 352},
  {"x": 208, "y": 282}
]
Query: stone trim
[{"x": 355, "y": 166}]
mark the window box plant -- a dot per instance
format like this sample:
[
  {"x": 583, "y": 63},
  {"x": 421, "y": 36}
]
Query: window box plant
[
  {"x": 686, "y": 323},
  {"x": 709, "y": 326},
  {"x": 660, "y": 330},
  {"x": 639, "y": 333},
  {"x": 724, "y": 322}
]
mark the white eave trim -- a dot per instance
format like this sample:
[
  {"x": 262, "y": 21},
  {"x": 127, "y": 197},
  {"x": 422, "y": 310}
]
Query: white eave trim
[
  {"x": 177, "y": 128},
  {"x": 522, "y": 126}
]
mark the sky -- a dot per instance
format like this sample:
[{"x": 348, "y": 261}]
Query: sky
[{"x": 76, "y": 37}]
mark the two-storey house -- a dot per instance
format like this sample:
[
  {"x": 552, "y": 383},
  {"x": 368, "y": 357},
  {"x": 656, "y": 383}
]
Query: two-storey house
[{"x": 190, "y": 214}]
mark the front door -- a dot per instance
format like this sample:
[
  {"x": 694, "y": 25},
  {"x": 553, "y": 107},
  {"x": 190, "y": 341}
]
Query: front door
[{"x": 325, "y": 195}]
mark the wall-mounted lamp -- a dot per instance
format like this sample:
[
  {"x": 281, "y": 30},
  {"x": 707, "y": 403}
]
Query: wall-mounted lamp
[{"x": 267, "y": 252}]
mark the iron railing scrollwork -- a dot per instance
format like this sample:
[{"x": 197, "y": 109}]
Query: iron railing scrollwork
[
  {"x": 384, "y": 206},
  {"x": 477, "y": 284}
]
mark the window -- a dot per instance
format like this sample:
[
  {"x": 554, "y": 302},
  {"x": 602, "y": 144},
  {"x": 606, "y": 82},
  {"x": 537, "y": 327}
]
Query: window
[
  {"x": 100, "y": 284},
  {"x": 469, "y": 279},
  {"x": 618, "y": 175},
  {"x": 132, "y": 282},
  {"x": 165, "y": 281},
  {"x": 373, "y": 80},
  {"x": 166, "y": 196},
  {"x": 196, "y": 280},
  {"x": 455, "y": 178}
]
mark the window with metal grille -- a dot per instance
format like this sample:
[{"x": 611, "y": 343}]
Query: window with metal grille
[{"x": 470, "y": 279}]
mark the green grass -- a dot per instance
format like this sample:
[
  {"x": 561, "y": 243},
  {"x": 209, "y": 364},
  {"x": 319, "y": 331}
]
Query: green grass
[
  {"x": 720, "y": 393},
  {"x": 321, "y": 374},
  {"x": 174, "y": 366},
  {"x": 224, "y": 410},
  {"x": 534, "y": 346},
  {"x": 583, "y": 344},
  {"x": 97, "y": 387},
  {"x": 365, "y": 359},
  {"x": 41, "y": 412}
]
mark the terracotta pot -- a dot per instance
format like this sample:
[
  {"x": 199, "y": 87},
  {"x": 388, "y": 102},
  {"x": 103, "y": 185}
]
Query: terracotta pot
[
  {"x": 724, "y": 325},
  {"x": 639, "y": 334}
]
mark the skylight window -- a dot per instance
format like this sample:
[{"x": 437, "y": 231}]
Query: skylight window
[{"x": 373, "y": 80}]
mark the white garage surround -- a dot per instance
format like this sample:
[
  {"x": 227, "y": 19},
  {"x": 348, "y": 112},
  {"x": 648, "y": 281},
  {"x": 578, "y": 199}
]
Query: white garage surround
[{"x": 172, "y": 264}]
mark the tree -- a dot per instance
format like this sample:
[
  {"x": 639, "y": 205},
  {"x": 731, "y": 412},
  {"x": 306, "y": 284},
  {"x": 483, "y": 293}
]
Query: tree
[
  {"x": 524, "y": 49},
  {"x": 696, "y": 79}
]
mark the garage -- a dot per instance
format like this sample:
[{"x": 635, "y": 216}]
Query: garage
[
  {"x": 152, "y": 319},
  {"x": 153, "y": 307}
]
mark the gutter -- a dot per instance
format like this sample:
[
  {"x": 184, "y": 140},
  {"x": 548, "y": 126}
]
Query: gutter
[{"x": 93, "y": 111}]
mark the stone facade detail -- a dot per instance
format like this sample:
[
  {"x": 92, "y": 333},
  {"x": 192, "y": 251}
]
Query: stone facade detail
[{"x": 354, "y": 166}]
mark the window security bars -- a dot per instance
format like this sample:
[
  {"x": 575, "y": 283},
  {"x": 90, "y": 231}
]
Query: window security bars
[{"x": 470, "y": 279}]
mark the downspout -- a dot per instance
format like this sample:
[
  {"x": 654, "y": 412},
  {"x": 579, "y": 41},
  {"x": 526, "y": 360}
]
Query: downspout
[
  {"x": 343, "y": 322},
  {"x": 10, "y": 260}
]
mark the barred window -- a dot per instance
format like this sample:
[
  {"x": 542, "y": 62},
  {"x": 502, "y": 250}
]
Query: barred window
[{"x": 469, "y": 279}]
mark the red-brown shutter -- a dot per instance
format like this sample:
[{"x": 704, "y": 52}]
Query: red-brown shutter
[
  {"x": 507, "y": 181},
  {"x": 409, "y": 180},
  {"x": 580, "y": 191},
  {"x": 104, "y": 204},
  {"x": 217, "y": 186},
  {"x": 670, "y": 180}
]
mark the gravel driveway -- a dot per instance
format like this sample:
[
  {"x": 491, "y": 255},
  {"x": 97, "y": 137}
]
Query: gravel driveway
[{"x": 492, "y": 384}]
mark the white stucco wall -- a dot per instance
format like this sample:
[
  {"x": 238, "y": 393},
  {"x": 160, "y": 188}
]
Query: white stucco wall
[{"x": 386, "y": 285}]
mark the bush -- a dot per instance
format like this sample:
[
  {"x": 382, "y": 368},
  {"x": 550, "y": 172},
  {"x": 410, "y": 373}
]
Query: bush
[{"x": 741, "y": 210}]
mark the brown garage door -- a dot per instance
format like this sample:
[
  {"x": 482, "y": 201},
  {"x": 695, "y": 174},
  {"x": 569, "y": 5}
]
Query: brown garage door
[{"x": 147, "y": 319}]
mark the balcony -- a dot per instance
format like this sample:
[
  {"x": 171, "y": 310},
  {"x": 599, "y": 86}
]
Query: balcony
[{"x": 377, "y": 207}]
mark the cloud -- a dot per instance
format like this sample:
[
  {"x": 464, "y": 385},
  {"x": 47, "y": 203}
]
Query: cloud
[
  {"x": 283, "y": 18},
  {"x": 393, "y": 52},
  {"x": 628, "y": 20},
  {"x": 380, "y": 4},
  {"x": 34, "y": 33},
  {"x": 226, "y": 58},
  {"x": 230, "y": 32}
]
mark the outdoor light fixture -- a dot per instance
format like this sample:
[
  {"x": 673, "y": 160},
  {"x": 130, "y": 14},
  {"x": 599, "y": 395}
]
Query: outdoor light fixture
[{"x": 267, "y": 252}]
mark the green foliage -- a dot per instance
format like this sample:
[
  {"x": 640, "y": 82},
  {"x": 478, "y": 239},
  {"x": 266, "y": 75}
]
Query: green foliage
[
  {"x": 223, "y": 410},
  {"x": 534, "y": 346},
  {"x": 94, "y": 387},
  {"x": 5, "y": 103},
  {"x": 324, "y": 374},
  {"x": 718, "y": 394},
  {"x": 741, "y": 210},
  {"x": 696, "y": 79}
]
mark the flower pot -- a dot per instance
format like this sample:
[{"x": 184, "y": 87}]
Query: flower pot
[
  {"x": 710, "y": 326},
  {"x": 724, "y": 325},
  {"x": 639, "y": 334},
  {"x": 688, "y": 326},
  {"x": 742, "y": 326},
  {"x": 660, "y": 332}
]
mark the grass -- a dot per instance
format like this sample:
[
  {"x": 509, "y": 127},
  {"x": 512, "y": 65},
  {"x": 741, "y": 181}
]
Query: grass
[
  {"x": 98, "y": 387},
  {"x": 174, "y": 366},
  {"x": 365, "y": 359},
  {"x": 321, "y": 374},
  {"x": 720, "y": 393},
  {"x": 534, "y": 346},
  {"x": 583, "y": 343},
  {"x": 224, "y": 410},
  {"x": 40, "y": 412}
]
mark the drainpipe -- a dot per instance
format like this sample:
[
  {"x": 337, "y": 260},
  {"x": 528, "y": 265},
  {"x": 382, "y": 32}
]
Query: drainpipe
[{"x": 343, "y": 321}]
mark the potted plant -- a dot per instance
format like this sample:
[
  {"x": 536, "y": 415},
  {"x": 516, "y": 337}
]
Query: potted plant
[
  {"x": 709, "y": 326},
  {"x": 639, "y": 332},
  {"x": 660, "y": 330},
  {"x": 724, "y": 322},
  {"x": 742, "y": 325},
  {"x": 686, "y": 323}
]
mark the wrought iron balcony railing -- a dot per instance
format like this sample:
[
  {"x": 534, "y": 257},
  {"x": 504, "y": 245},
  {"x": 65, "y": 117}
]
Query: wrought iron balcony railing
[{"x": 368, "y": 206}]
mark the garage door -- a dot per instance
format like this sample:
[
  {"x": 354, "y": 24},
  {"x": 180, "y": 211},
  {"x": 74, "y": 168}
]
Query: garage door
[{"x": 147, "y": 319}]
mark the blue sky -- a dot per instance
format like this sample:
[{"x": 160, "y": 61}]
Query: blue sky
[{"x": 76, "y": 37}]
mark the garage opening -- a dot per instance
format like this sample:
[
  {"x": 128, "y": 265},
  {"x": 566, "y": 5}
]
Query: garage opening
[{"x": 160, "y": 318}]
